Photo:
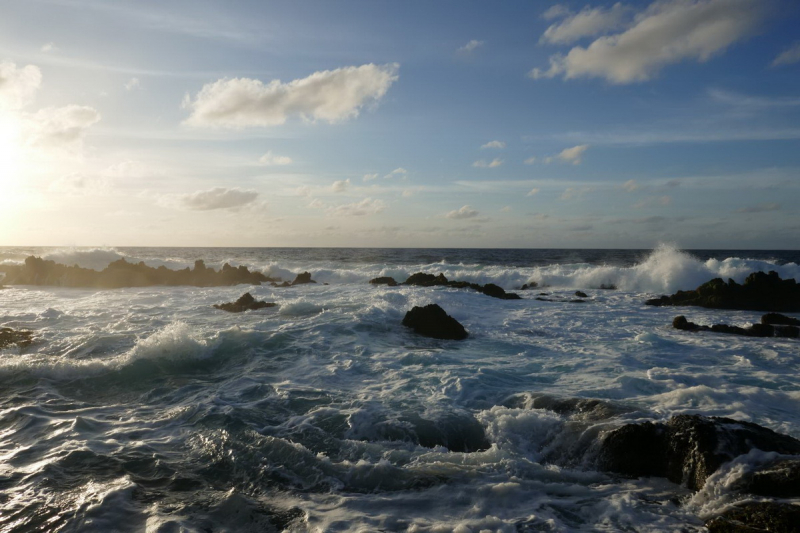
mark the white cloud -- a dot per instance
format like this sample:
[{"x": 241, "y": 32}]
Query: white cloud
[
  {"x": 18, "y": 86},
  {"x": 340, "y": 185},
  {"x": 78, "y": 184},
  {"x": 132, "y": 84},
  {"x": 370, "y": 177},
  {"x": 667, "y": 32},
  {"x": 494, "y": 144},
  {"x": 269, "y": 159},
  {"x": 330, "y": 95},
  {"x": 630, "y": 185},
  {"x": 60, "y": 126},
  {"x": 462, "y": 213},
  {"x": 571, "y": 193},
  {"x": 316, "y": 203},
  {"x": 471, "y": 46},
  {"x": 573, "y": 155},
  {"x": 217, "y": 198},
  {"x": 530, "y": 160},
  {"x": 396, "y": 172},
  {"x": 49, "y": 47},
  {"x": 506, "y": 209},
  {"x": 788, "y": 56},
  {"x": 130, "y": 170},
  {"x": 408, "y": 193},
  {"x": 482, "y": 163},
  {"x": 303, "y": 190},
  {"x": 365, "y": 207},
  {"x": 533, "y": 192},
  {"x": 587, "y": 23}
]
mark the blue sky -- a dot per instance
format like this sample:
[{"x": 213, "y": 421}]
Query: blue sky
[{"x": 459, "y": 124}]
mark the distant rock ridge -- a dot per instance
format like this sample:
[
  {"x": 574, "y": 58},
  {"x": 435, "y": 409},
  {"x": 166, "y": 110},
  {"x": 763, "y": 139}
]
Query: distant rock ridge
[
  {"x": 760, "y": 292},
  {"x": 246, "y": 302},
  {"x": 422, "y": 279},
  {"x": 120, "y": 273},
  {"x": 772, "y": 325}
]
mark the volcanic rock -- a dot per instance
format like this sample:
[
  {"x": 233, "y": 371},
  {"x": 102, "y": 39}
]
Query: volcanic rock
[
  {"x": 433, "y": 321},
  {"x": 246, "y": 302},
  {"x": 760, "y": 292}
]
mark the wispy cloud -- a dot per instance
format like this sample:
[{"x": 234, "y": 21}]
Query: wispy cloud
[
  {"x": 573, "y": 155},
  {"x": 462, "y": 213},
  {"x": 586, "y": 23},
  {"x": 494, "y": 144},
  {"x": 482, "y": 163},
  {"x": 329, "y": 95},
  {"x": 365, "y": 207},
  {"x": 471, "y": 46},
  {"x": 269, "y": 160},
  {"x": 533, "y": 192},
  {"x": 788, "y": 56},
  {"x": 217, "y": 198},
  {"x": 340, "y": 185},
  {"x": 370, "y": 177},
  {"x": 761, "y": 208},
  {"x": 132, "y": 84},
  {"x": 396, "y": 173}
]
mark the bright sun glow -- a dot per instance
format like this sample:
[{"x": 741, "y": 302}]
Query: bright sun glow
[{"x": 10, "y": 155}]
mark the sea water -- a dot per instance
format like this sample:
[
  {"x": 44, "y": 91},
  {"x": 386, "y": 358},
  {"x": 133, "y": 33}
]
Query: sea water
[{"x": 146, "y": 409}]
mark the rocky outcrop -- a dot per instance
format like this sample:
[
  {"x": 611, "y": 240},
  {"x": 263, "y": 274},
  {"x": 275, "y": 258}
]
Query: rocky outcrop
[
  {"x": 433, "y": 321},
  {"x": 302, "y": 279},
  {"x": 760, "y": 292},
  {"x": 384, "y": 280},
  {"x": 762, "y": 329},
  {"x": 246, "y": 302},
  {"x": 456, "y": 431},
  {"x": 120, "y": 273},
  {"x": 422, "y": 279},
  {"x": 686, "y": 449},
  {"x": 575, "y": 408},
  {"x": 757, "y": 517},
  {"x": 778, "y": 479},
  {"x": 9, "y": 336}
]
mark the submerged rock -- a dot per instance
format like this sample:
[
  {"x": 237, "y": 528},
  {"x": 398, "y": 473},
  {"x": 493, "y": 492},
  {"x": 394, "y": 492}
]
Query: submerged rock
[
  {"x": 755, "y": 517},
  {"x": 760, "y": 292},
  {"x": 581, "y": 294},
  {"x": 763, "y": 329},
  {"x": 421, "y": 279},
  {"x": 577, "y": 408},
  {"x": 384, "y": 280},
  {"x": 433, "y": 321},
  {"x": 9, "y": 336},
  {"x": 688, "y": 448},
  {"x": 246, "y": 302}
]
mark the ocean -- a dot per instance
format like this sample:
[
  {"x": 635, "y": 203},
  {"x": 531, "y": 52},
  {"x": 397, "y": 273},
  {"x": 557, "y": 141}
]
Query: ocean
[{"x": 146, "y": 409}]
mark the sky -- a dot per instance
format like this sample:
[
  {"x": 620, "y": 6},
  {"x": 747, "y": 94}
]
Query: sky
[{"x": 452, "y": 123}]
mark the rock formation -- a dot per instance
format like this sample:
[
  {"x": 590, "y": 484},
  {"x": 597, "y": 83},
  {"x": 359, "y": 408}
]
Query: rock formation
[
  {"x": 433, "y": 321},
  {"x": 9, "y": 336},
  {"x": 246, "y": 302}
]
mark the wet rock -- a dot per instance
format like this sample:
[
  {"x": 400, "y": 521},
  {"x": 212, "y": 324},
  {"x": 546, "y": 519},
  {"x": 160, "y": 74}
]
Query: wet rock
[
  {"x": 9, "y": 336},
  {"x": 384, "y": 280},
  {"x": 756, "y": 330},
  {"x": 246, "y": 302},
  {"x": 531, "y": 285},
  {"x": 577, "y": 408},
  {"x": 120, "y": 273},
  {"x": 302, "y": 279},
  {"x": 608, "y": 286},
  {"x": 780, "y": 479},
  {"x": 687, "y": 449},
  {"x": 433, "y": 321},
  {"x": 760, "y": 292},
  {"x": 777, "y": 319},
  {"x": 456, "y": 432},
  {"x": 757, "y": 517},
  {"x": 581, "y": 294},
  {"x": 421, "y": 279}
]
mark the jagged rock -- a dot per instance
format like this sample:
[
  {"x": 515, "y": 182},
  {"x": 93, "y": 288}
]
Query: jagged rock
[
  {"x": 246, "y": 302},
  {"x": 688, "y": 448},
  {"x": 777, "y": 319},
  {"x": 780, "y": 479},
  {"x": 433, "y": 321},
  {"x": 303, "y": 278},
  {"x": 120, "y": 273},
  {"x": 384, "y": 280},
  {"x": 760, "y": 292},
  {"x": 9, "y": 336},
  {"x": 422, "y": 279},
  {"x": 757, "y": 517},
  {"x": 756, "y": 330},
  {"x": 581, "y": 294}
]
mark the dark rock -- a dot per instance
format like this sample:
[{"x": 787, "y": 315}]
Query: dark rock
[
  {"x": 303, "y": 278},
  {"x": 757, "y": 517},
  {"x": 490, "y": 289},
  {"x": 120, "y": 273},
  {"x": 531, "y": 285},
  {"x": 688, "y": 448},
  {"x": 422, "y": 279},
  {"x": 384, "y": 280},
  {"x": 456, "y": 432},
  {"x": 9, "y": 336},
  {"x": 433, "y": 321},
  {"x": 780, "y": 479},
  {"x": 776, "y": 319},
  {"x": 578, "y": 408},
  {"x": 756, "y": 330},
  {"x": 581, "y": 294},
  {"x": 760, "y": 292},
  {"x": 246, "y": 302},
  {"x": 608, "y": 287}
]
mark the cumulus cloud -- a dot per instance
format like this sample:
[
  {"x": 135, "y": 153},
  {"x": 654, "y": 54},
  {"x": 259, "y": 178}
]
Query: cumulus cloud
[
  {"x": 555, "y": 12},
  {"x": 762, "y": 208},
  {"x": 217, "y": 198},
  {"x": 329, "y": 95},
  {"x": 18, "y": 86},
  {"x": 530, "y": 161},
  {"x": 482, "y": 163},
  {"x": 630, "y": 185},
  {"x": 533, "y": 192},
  {"x": 494, "y": 144},
  {"x": 586, "y": 23},
  {"x": 788, "y": 56},
  {"x": 370, "y": 177},
  {"x": 396, "y": 172},
  {"x": 365, "y": 207},
  {"x": 462, "y": 213},
  {"x": 269, "y": 160},
  {"x": 471, "y": 46},
  {"x": 60, "y": 126},
  {"x": 573, "y": 155},
  {"x": 340, "y": 185},
  {"x": 666, "y": 32}
]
